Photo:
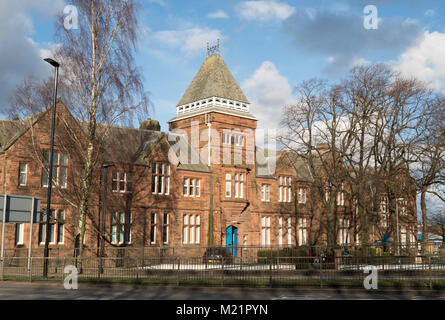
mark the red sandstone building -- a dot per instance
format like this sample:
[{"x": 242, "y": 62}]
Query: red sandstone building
[{"x": 203, "y": 183}]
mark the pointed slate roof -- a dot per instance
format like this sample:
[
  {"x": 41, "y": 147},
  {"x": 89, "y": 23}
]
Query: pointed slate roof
[{"x": 213, "y": 79}]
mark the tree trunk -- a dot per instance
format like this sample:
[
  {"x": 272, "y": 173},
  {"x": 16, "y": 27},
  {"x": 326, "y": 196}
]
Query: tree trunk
[{"x": 424, "y": 219}]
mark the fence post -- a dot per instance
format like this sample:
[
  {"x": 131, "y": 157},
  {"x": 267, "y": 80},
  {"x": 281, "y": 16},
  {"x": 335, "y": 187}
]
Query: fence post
[
  {"x": 30, "y": 269},
  {"x": 270, "y": 271},
  {"x": 222, "y": 272},
  {"x": 430, "y": 275},
  {"x": 137, "y": 270},
  {"x": 2, "y": 268},
  {"x": 179, "y": 272}
]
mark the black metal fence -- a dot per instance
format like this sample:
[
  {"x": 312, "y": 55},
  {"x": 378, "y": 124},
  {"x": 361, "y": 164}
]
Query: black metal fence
[{"x": 252, "y": 266}]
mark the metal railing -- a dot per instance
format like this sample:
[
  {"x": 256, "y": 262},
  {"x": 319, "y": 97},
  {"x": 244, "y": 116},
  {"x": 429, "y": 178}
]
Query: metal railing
[{"x": 252, "y": 266}]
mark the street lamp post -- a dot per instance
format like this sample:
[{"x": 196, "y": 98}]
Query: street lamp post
[
  {"x": 56, "y": 65},
  {"x": 104, "y": 192}
]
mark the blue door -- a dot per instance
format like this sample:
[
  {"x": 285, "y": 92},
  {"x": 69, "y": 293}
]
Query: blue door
[{"x": 232, "y": 240}]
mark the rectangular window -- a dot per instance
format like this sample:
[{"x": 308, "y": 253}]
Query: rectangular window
[
  {"x": 153, "y": 228},
  {"x": 121, "y": 182},
  {"x": 265, "y": 231},
  {"x": 228, "y": 185},
  {"x": 61, "y": 227},
  {"x": 241, "y": 186},
  {"x": 192, "y": 187},
  {"x": 289, "y": 190},
  {"x": 42, "y": 229},
  {"x": 384, "y": 204},
  {"x": 341, "y": 197},
  {"x": 344, "y": 231},
  {"x": 198, "y": 188},
  {"x": 160, "y": 178},
  {"x": 403, "y": 236},
  {"x": 236, "y": 185},
  {"x": 302, "y": 195},
  {"x": 186, "y": 188},
  {"x": 280, "y": 231},
  {"x": 23, "y": 169},
  {"x": 289, "y": 231},
  {"x": 402, "y": 206},
  {"x": 60, "y": 168},
  {"x": 165, "y": 226},
  {"x": 265, "y": 192},
  {"x": 120, "y": 228},
  {"x": 384, "y": 220},
  {"x": 185, "y": 230},
  {"x": 302, "y": 231},
  {"x": 284, "y": 197},
  {"x": 191, "y": 229},
  {"x": 19, "y": 232}
]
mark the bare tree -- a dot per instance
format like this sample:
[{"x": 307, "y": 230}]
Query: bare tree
[
  {"x": 372, "y": 124},
  {"x": 428, "y": 169},
  {"x": 438, "y": 224},
  {"x": 315, "y": 118},
  {"x": 100, "y": 85}
]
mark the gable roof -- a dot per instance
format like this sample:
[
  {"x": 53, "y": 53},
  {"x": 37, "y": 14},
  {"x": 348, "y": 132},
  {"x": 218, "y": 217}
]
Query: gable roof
[
  {"x": 134, "y": 145},
  {"x": 11, "y": 130},
  {"x": 213, "y": 79}
]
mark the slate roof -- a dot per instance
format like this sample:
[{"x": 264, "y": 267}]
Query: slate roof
[
  {"x": 134, "y": 145},
  {"x": 213, "y": 79},
  {"x": 11, "y": 130}
]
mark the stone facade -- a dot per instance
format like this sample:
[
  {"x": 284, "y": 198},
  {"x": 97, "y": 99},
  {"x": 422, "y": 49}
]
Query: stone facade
[{"x": 153, "y": 200}]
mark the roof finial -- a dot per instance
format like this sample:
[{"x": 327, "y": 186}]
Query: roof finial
[{"x": 213, "y": 50}]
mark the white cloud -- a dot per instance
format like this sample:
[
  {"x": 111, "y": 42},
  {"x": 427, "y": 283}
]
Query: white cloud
[
  {"x": 266, "y": 10},
  {"x": 425, "y": 60},
  {"x": 220, "y": 14},
  {"x": 20, "y": 55},
  {"x": 269, "y": 92},
  {"x": 159, "y": 2},
  {"x": 430, "y": 13},
  {"x": 189, "y": 41}
]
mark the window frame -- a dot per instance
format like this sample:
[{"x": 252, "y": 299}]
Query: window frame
[{"x": 23, "y": 173}]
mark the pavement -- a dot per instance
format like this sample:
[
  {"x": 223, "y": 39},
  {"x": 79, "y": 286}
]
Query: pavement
[{"x": 10, "y": 290}]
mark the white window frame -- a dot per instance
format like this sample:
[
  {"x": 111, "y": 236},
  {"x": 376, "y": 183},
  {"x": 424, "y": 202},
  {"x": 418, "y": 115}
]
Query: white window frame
[
  {"x": 165, "y": 227},
  {"x": 198, "y": 188},
  {"x": 289, "y": 231},
  {"x": 21, "y": 173},
  {"x": 228, "y": 186},
  {"x": 153, "y": 227},
  {"x": 265, "y": 231},
  {"x": 61, "y": 218},
  {"x": 344, "y": 231},
  {"x": 302, "y": 231},
  {"x": 20, "y": 233},
  {"x": 163, "y": 172},
  {"x": 185, "y": 189},
  {"x": 57, "y": 166},
  {"x": 191, "y": 229},
  {"x": 302, "y": 195}
]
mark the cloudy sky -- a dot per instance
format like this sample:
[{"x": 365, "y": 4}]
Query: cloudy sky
[{"x": 269, "y": 45}]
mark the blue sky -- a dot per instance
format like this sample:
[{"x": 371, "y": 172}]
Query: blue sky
[{"x": 270, "y": 45}]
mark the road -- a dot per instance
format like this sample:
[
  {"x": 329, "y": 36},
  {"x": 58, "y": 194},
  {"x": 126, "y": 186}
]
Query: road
[{"x": 55, "y": 291}]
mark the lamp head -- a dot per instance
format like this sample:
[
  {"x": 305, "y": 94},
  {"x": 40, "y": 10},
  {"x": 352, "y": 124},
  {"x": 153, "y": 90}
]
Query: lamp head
[{"x": 52, "y": 62}]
